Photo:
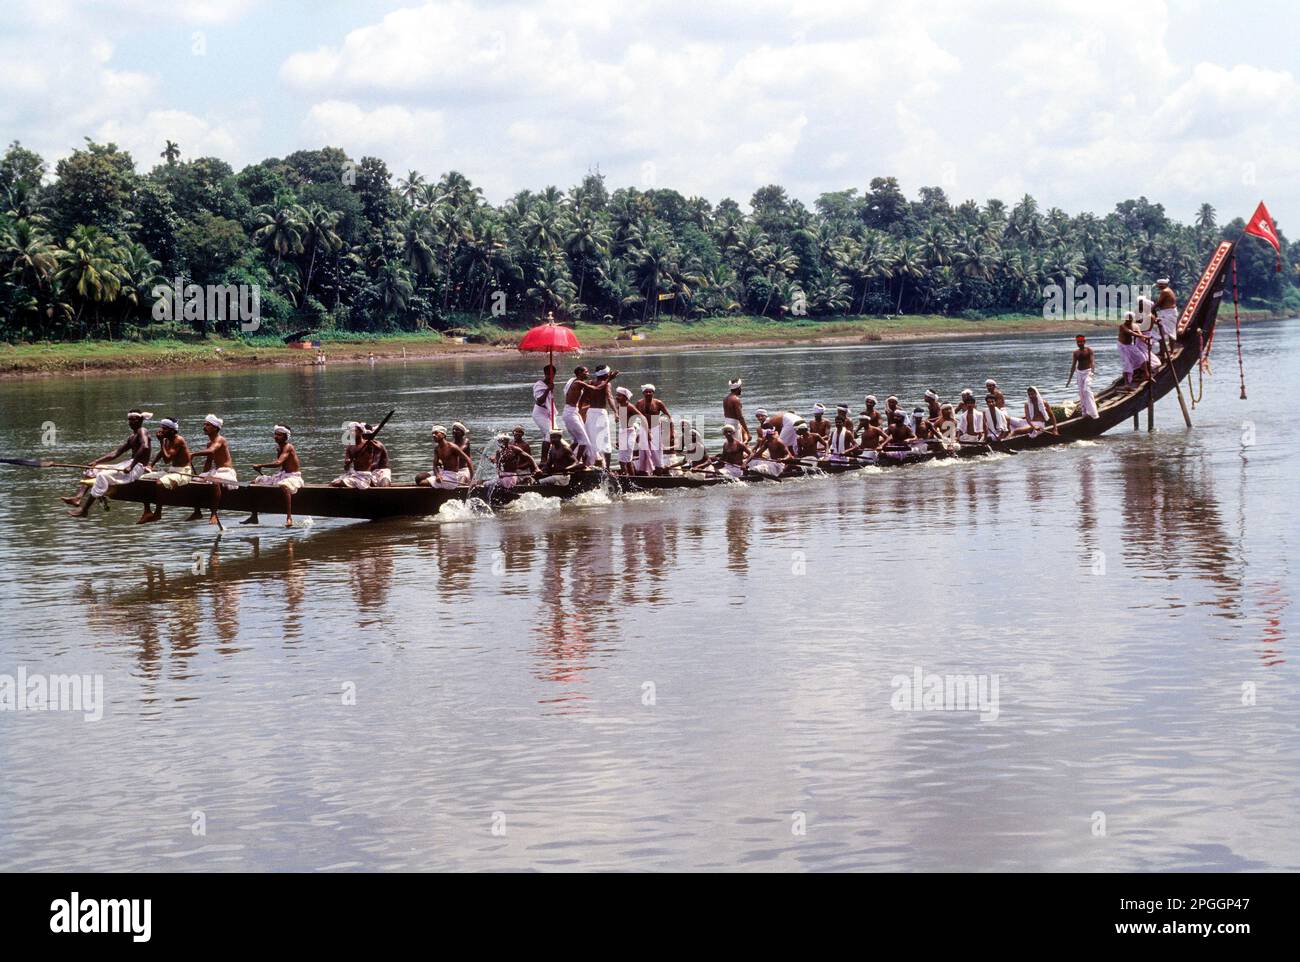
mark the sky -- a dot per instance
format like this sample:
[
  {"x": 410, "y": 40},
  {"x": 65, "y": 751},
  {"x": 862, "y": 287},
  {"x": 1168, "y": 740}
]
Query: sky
[{"x": 1082, "y": 103}]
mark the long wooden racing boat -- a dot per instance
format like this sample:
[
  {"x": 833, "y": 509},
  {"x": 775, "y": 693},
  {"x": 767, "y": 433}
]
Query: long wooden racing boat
[{"x": 1116, "y": 404}]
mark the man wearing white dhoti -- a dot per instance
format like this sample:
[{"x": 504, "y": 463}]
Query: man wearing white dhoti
[
  {"x": 174, "y": 454},
  {"x": 287, "y": 476},
  {"x": 970, "y": 420},
  {"x": 218, "y": 467},
  {"x": 633, "y": 435},
  {"x": 1084, "y": 361},
  {"x": 654, "y": 410},
  {"x": 1039, "y": 413},
  {"x": 596, "y": 421},
  {"x": 514, "y": 462},
  {"x": 544, "y": 404},
  {"x": 733, "y": 412},
  {"x": 572, "y": 415},
  {"x": 1165, "y": 310},
  {"x": 842, "y": 440},
  {"x": 357, "y": 457},
  {"x": 137, "y": 444},
  {"x": 452, "y": 467},
  {"x": 1133, "y": 348}
]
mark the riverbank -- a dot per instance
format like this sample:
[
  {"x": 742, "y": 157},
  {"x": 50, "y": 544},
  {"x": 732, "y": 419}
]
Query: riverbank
[{"x": 96, "y": 357}]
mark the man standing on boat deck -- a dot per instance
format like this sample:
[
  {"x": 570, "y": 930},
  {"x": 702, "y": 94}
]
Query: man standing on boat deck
[
  {"x": 543, "y": 404},
  {"x": 572, "y": 416},
  {"x": 174, "y": 453},
  {"x": 452, "y": 467},
  {"x": 970, "y": 420},
  {"x": 218, "y": 466},
  {"x": 137, "y": 443},
  {"x": 1165, "y": 311},
  {"x": 633, "y": 435},
  {"x": 732, "y": 411},
  {"x": 1133, "y": 349},
  {"x": 1084, "y": 361},
  {"x": 653, "y": 409},
  {"x": 287, "y": 476},
  {"x": 597, "y": 401}
]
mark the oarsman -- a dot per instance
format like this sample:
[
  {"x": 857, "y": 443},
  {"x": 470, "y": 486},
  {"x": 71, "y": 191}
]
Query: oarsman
[
  {"x": 1164, "y": 314},
  {"x": 933, "y": 404},
  {"x": 945, "y": 426},
  {"x": 596, "y": 402},
  {"x": 970, "y": 420},
  {"x": 991, "y": 389},
  {"x": 807, "y": 443},
  {"x": 842, "y": 442},
  {"x": 513, "y": 463},
  {"x": 900, "y": 432},
  {"x": 770, "y": 456},
  {"x": 381, "y": 471},
  {"x": 1039, "y": 413},
  {"x": 357, "y": 458},
  {"x": 572, "y": 415},
  {"x": 922, "y": 426},
  {"x": 870, "y": 436},
  {"x": 820, "y": 424},
  {"x": 783, "y": 423},
  {"x": 452, "y": 467},
  {"x": 138, "y": 444},
  {"x": 653, "y": 410},
  {"x": 544, "y": 404},
  {"x": 733, "y": 412},
  {"x": 633, "y": 435},
  {"x": 560, "y": 461},
  {"x": 218, "y": 467},
  {"x": 996, "y": 420},
  {"x": 731, "y": 459},
  {"x": 1133, "y": 349},
  {"x": 518, "y": 439},
  {"x": 694, "y": 453},
  {"x": 460, "y": 438},
  {"x": 891, "y": 408},
  {"x": 287, "y": 476},
  {"x": 870, "y": 412},
  {"x": 174, "y": 454},
  {"x": 1084, "y": 361}
]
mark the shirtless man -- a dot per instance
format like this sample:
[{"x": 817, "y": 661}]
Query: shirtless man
[
  {"x": 572, "y": 414},
  {"x": 174, "y": 453},
  {"x": 819, "y": 423},
  {"x": 633, "y": 435},
  {"x": 733, "y": 412},
  {"x": 1164, "y": 313},
  {"x": 891, "y": 408},
  {"x": 1084, "y": 361},
  {"x": 899, "y": 433},
  {"x": 770, "y": 456},
  {"x": 730, "y": 461},
  {"x": 452, "y": 467},
  {"x": 218, "y": 467},
  {"x": 137, "y": 443},
  {"x": 808, "y": 443},
  {"x": 653, "y": 409},
  {"x": 783, "y": 423},
  {"x": 381, "y": 470},
  {"x": 460, "y": 438},
  {"x": 870, "y": 436},
  {"x": 358, "y": 458},
  {"x": 559, "y": 459},
  {"x": 287, "y": 476},
  {"x": 923, "y": 427},
  {"x": 933, "y": 404},
  {"x": 945, "y": 427},
  {"x": 595, "y": 405},
  {"x": 870, "y": 412},
  {"x": 513, "y": 463}
]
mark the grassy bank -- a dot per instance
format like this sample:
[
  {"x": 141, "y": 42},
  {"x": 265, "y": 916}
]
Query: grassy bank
[{"x": 101, "y": 356}]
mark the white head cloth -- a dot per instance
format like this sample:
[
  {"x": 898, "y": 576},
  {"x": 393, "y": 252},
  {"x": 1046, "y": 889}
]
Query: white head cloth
[{"x": 215, "y": 421}]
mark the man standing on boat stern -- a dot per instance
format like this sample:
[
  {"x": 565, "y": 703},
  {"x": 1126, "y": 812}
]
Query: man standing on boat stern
[
  {"x": 598, "y": 401},
  {"x": 1165, "y": 310},
  {"x": 732, "y": 411},
  {"x": 652, "y": 409},
  {"x": 543, "y": 404},
  {"x": 572, "y": 416},
  {"x": 1084, "y": 361}
]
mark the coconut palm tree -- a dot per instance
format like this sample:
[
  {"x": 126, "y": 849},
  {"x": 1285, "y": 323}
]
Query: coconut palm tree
[
  {"x": 89, "y": 269},
  {"x": 318, "y": 235},
  {"x": 909, "y": 264},
  {"x": 279, "y": 231},
  {"x": 28, "y": 255},
  {"x": 408, "y": 188},
  {"x": 171, "y": 153}
]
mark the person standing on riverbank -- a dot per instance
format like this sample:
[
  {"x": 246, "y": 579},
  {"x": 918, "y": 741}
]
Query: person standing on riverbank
[{"x": 1084, "y": 361}]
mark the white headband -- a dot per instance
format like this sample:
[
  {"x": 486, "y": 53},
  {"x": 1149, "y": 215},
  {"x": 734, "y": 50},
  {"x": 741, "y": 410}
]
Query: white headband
[
  {"x": 735, "y": 384},
  {"x": 871, "y": 399},
  {"x": 819, "y": 408},
  {"x": 931, "y": 395},
  {"x": 143, "y": 415},
  {"x": 647, "y": 387},
  {"x": 281, "y": 429},
  {"x": 215, "y": 421},
  {"x": 761, "y": 413},
  {"x": 623, "y": 392},
  {"x": 439, "y": 429},
  {"x": 457, "y": 424},
  {"x": 169, "y": 424}
]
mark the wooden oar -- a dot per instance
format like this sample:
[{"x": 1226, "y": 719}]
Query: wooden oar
[{"x": 35, "y": 463}]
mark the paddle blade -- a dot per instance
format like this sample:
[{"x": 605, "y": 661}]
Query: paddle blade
[{"x": 25, "y": 462}]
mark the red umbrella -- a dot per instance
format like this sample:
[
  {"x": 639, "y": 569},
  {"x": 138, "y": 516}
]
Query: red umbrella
[{"x": 550, "y": 337}]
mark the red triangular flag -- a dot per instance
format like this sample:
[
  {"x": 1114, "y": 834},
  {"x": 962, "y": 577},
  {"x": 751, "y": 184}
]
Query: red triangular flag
[{"x": 1261, "y": 225}]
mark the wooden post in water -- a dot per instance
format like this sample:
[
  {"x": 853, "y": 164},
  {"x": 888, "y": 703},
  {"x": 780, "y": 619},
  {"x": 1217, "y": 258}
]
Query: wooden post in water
[{"x": 1173, "y": 372}]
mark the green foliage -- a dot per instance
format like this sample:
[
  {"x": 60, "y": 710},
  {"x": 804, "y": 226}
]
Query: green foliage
[{"x": 346, "y": 247}]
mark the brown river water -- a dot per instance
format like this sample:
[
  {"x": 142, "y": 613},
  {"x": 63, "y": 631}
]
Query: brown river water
[{"x": 702, "y": 681}]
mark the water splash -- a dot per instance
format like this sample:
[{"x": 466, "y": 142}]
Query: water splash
[
  {"x": 531, "y": 501},
  {"x": 453, "y": 512}
]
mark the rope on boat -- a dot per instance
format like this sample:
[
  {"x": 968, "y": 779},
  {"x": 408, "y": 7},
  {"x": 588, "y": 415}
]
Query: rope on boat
[
  {"x": 1198, "y": 392},
  {"x": 1236, "y": 316}
]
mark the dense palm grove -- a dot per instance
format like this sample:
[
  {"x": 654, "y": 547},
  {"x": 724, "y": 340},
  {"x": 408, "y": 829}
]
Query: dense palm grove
[{"x": 337, "y": 244}]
